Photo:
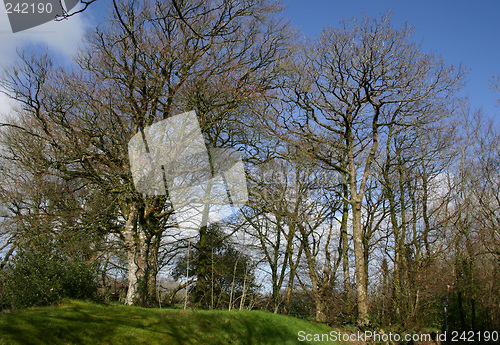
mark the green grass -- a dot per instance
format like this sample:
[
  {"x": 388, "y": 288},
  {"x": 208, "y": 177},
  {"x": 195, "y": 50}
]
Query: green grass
[{"x": 76, "y": 322}]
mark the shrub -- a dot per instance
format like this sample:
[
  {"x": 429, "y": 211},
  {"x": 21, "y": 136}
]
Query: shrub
[{"x": 42, "y": 275}]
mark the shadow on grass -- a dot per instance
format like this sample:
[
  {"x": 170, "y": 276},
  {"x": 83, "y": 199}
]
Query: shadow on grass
[{"x": 78, "y": 322}]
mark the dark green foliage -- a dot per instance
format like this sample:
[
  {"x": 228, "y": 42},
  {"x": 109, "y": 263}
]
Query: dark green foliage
[
  {"x": 42, "y": 274},
  {"x": 466, "y": 313},
  {"x": 227, "y": 270},
  {"x": 301, "y": 305}
]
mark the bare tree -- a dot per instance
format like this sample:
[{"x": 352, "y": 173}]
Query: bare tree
[
  {"x": 353, "y": 83},
  {"x": 475, "y": 254},
  {"x": 273, "y": 202},
  {"x": 145, "y": 64}
]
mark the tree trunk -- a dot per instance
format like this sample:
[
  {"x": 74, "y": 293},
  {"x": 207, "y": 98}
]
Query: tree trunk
[
  {"x": 142, "y": 254},
  {"x": 202, "y": 269},
  {"x": 359, "y": 257},
  {"x": 135, "y": 256},
  {"x": 345, "y": 258},
  {"x": 202, "y": 287},
  {"x": 291, "y": 278},
  {"x": 356, "y": 201},
  {"x": 152, "y": 299},
  {"x": 320, "y": 308},
  {"x": 276, "y": 300},
  {"x": 345, "y": 246}
]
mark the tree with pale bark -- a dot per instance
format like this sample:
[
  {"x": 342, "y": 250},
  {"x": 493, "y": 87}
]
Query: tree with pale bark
[
  {"x": 150, "y": 61},
  {"x": 351, "y": 85}
]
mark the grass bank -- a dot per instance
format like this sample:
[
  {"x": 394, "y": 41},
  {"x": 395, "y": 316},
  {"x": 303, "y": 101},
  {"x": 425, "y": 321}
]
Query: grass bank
[{"x": 76, "y": 322}]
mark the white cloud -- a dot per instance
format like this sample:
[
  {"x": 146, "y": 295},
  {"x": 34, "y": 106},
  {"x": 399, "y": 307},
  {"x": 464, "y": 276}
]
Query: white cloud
[
  {"x": 5, "y": 107},
  {"x": 62, "y": 38}
]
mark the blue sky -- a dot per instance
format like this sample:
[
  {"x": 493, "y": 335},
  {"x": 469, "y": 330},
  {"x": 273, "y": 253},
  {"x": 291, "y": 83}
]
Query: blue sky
[{"x": 461, "y": 31}]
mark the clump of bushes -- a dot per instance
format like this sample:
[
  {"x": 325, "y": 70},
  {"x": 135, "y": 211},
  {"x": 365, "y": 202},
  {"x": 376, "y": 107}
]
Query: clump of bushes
[{"x": 41, "y": 274}]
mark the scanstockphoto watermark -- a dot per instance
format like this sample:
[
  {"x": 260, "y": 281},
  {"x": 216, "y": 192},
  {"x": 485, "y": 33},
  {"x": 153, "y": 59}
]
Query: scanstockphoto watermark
[
  {"x": 370, "y": 336},
  {"x": 363, "y": 337},
  {"x": 26, "y": 14}
]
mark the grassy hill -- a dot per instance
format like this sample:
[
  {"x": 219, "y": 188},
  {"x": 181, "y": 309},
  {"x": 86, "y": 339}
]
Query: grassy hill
[{"x": 76, "y": 322}]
